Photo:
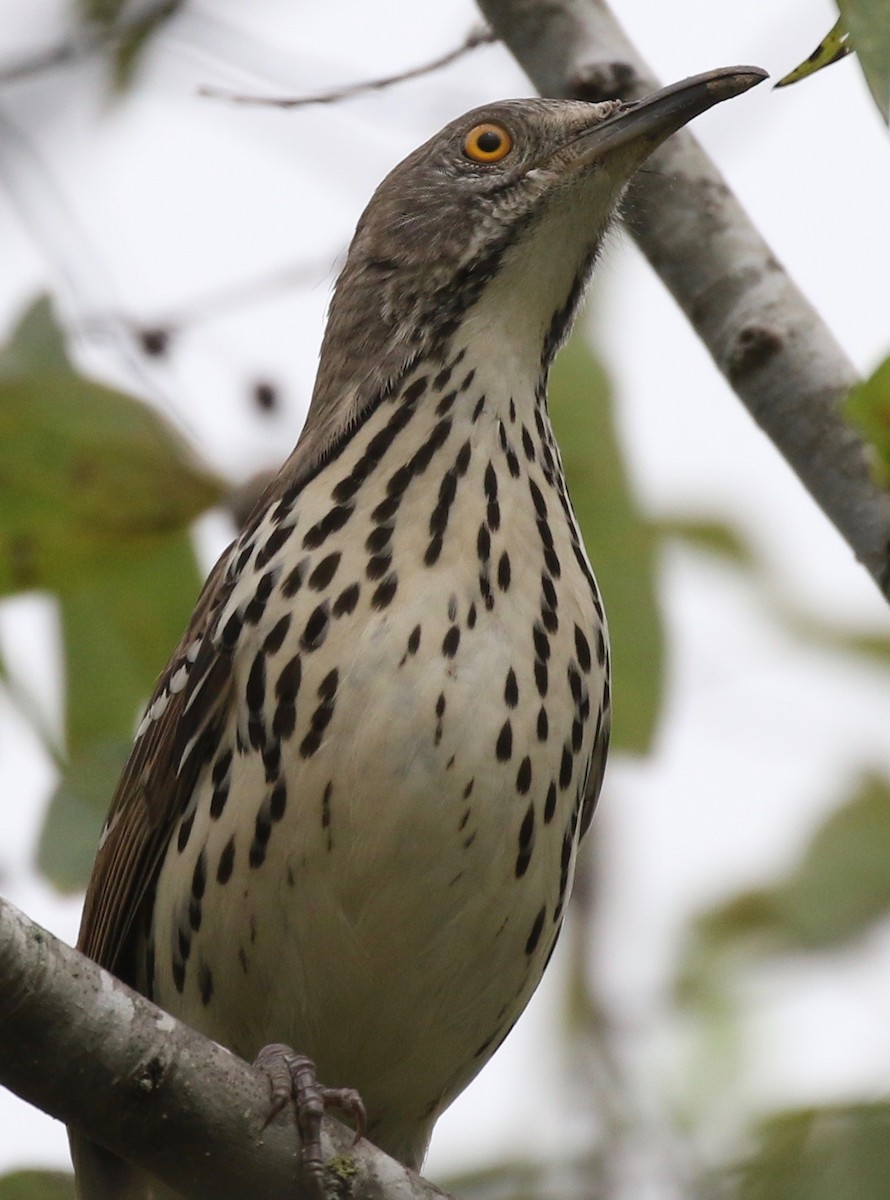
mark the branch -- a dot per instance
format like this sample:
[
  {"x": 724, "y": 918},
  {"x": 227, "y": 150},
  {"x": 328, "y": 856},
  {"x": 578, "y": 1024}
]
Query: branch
[
  {"x": 775, "y": 351},
  {"x": 477, "y": 37},
  {"x": 86, "y": 1049}
]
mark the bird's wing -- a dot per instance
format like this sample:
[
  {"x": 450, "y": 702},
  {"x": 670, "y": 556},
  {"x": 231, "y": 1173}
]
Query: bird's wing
[{"x": 185, "y": 717}]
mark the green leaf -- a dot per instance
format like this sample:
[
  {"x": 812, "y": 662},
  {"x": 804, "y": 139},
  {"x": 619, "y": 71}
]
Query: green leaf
[
  {"x": 37, "y": 344},
  {"x": 834, "y": 46},
  {"x": 621, "y": 544},
  {"x": 837, "y": 1152},
  {"x": 118, "y": 630},
  {"x": 712, "y": 536},
  {"x": 869, "y": 24},
  {"x": 37, "y": 1185},
  {"x": 87, "y": 474},
  {"x": 868, "y": 407},
  {"x": 97, "y": 493},
  {"x": 78, "y": 806},
  {"x": 836, "y": 892}
]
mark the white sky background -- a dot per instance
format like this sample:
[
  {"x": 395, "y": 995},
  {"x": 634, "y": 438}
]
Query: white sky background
[{"x": 143, "y": 207}]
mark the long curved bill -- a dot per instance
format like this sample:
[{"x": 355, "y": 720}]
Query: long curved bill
[{"x": 648, "y": 122}]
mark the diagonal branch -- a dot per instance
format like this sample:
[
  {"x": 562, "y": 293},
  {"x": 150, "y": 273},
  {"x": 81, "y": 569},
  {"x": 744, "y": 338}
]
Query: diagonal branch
[
  {"x": 763, "y": 334},
  {"x": 86, "y": 1049}
]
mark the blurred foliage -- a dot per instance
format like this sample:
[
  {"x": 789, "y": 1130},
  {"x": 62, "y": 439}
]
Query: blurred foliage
[
  {"x": 869, "y": 24},
  {"x": 868, "y": 407},
  {"x": 97, "y": 493},
  {"x": 831, "y": 1153},
  {"x": 37, "y": 1185},
  {"x": 620, "y": 540},
  {"x": 126, "y": 34},
  {"x": 863, "y": 27},
  {"x": 838, "y": 889}
]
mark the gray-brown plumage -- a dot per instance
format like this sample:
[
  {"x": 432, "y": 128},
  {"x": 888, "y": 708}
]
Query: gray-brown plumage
[{"x": 350, "y": 818}]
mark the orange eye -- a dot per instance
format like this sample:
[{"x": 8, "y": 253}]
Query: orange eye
[{"x": 488, "y": 143}]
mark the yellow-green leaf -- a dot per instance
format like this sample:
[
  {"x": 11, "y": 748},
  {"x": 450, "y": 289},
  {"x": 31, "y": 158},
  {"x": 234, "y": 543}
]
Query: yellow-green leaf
[
  {"x": 834, "y": 46},
  {"x": 621, "y": 544}
]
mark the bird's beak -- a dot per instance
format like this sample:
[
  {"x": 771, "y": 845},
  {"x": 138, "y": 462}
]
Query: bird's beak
[{"x": 648, "y": 122}]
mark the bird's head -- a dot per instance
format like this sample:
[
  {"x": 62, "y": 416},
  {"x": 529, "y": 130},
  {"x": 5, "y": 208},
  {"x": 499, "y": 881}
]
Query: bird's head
[{"x": 488, "y": 232}]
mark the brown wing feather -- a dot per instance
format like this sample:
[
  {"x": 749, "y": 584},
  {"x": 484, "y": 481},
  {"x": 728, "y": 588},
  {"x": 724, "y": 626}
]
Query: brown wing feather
[{"x": 155, "y": 786}]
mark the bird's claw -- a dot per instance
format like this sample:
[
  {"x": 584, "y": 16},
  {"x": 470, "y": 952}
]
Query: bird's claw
[{"x": 292, "y": 1077}]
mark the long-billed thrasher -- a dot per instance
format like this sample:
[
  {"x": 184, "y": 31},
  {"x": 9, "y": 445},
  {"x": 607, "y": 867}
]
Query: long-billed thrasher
[{"x": 350, "y": 818}]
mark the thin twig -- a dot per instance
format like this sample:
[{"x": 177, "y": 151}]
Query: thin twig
[{"x": 477, "y": 37}]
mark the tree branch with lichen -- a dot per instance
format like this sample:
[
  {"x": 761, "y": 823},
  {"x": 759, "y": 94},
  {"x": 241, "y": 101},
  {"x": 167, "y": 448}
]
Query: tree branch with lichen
[{"x": 91, "y": 1052}]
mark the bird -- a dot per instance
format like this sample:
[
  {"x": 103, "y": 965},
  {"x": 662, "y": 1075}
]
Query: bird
[{"x": 351, "y": 814}]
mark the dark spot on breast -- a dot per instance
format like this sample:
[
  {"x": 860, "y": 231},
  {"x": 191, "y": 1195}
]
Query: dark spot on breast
[
  {"x": 347, "y": 600},
  {"x": 451, "y": 641},
  {"x": 511, "y": 690},
  {"x": 504, "y": 571},
  {"x": 565, "y": 768},
  {"x": 179, "y": 974},
  {"x": 378, "y": 539},
  {"x": 535, "y": 935},
  {"x": 275, "y": 637},
  {"x": 199, "y": 876},
  {"x": 526, "y": 841},
  {"x": 262, "y": 831},
  {"x": 446, "y": 403},
  {"x": 378, "y": 565},
  {"x": 316, "y": 627},
  {"x": 541, "y": 677},
  {"x": 293, "y": 581},
  {"x": 205, "y": 982},
  {"x": 272, "y": 545},
  {"x": 550, "y": 803},
  {"x": 278, "y": 800},
  {"x": 325, "y": 571},
  {"x": 385, "y": 591},
  {"x": 524, "y": 776},
  {"x": 504, "y": 745},
  {"x": 483, "y": 543},
  {"x": 226, "y": 862},
  {"x": 257, "y": 605},
  {"x": 231, "y": 631},
  {"x": 543, "y": 726},
  {"x": 185, "y": 830},
  {"x": 528, "y": 445},
  {"x": 414, "y": 640},
  {"x": 331, "y": 522},
  {"x": 541, "y": 641},
  {"x": 255, "y": 692}
]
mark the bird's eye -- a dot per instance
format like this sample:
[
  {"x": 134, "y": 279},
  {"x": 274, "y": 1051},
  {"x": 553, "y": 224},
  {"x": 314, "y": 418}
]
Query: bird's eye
[{"x": 488, "y": 143}]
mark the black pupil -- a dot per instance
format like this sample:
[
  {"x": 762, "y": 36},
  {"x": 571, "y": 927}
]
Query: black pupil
[{"x": 489, "y": 142}]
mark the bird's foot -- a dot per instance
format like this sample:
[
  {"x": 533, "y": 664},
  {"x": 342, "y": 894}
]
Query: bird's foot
[{"x": 292, "y": 1077}]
